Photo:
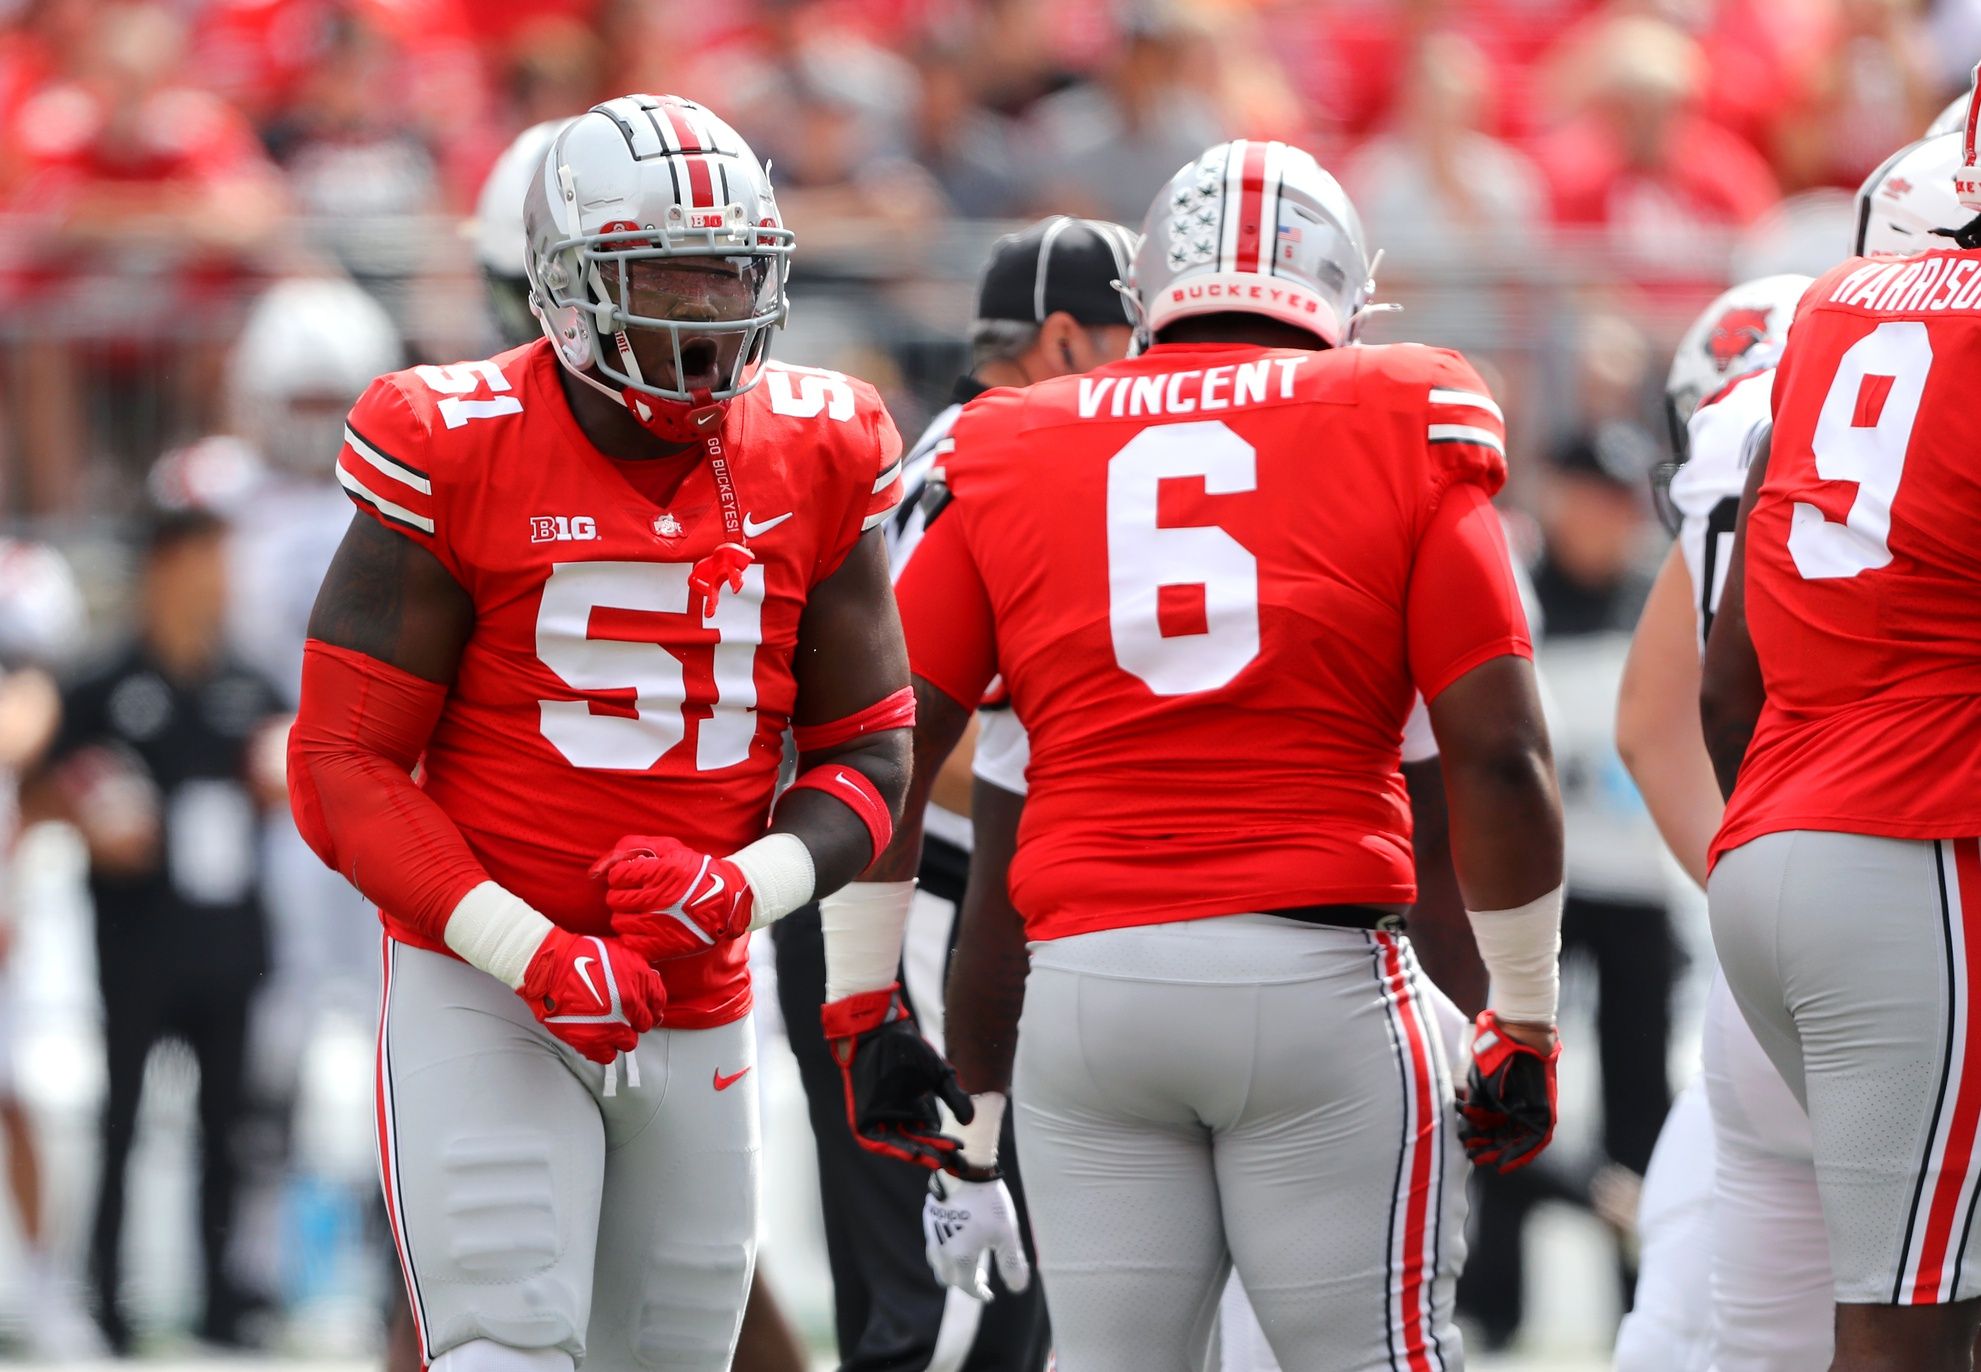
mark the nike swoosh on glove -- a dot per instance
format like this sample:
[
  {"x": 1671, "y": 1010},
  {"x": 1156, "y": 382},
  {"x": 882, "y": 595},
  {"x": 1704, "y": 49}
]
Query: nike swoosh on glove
[
  {"x": 593, "y": 993},
  {"x": 964, "y": 1225},
  {"x": 1508, "y": 1110},
  {"x": 669, "y": 901},
  {"x": 893, "y": 1079}
]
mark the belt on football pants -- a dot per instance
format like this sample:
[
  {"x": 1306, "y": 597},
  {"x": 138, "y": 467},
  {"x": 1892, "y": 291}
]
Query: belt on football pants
[{"x": 1344, "y": 917}]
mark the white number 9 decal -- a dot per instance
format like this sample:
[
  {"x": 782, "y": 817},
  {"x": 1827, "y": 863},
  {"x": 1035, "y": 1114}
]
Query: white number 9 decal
[
  {"x": 1143, "y": 557},
  {"x": 1861, "y": 436}
]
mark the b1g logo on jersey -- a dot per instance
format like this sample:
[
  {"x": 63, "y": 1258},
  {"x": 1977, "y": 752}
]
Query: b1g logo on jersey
[{"x": 563, "y": 529}]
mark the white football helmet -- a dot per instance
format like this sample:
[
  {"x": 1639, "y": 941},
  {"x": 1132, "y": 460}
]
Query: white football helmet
[
  {"x": 1905, "y": 200},
  {"x": 1949, "y": 120},
  {"x": 1740, "y": 333},
  {"x": 309, "y": 347},
  {"x": 1255, "y": 228},
  {"x": 644, "y": 178},
  {"x": 500, "y": 244}
]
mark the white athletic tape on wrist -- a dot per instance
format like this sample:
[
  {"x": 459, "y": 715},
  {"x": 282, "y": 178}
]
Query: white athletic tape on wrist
[
  {"x": 863, "y": 923},
  {"x": 781, "y": 876},
  {"x": 497, "y": 932},
  {"x": 980, "y": 1135},
  {"x": 1522, "y": 952}
]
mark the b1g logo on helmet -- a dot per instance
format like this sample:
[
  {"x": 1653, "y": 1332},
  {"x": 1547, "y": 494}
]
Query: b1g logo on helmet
[{"x": 1738, "y": 330}]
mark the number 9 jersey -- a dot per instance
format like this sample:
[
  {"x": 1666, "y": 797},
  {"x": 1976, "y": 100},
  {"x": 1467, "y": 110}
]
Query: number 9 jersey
[
  {"x": 1214, "y": 578},
  {"x": 1863, "y": 562},
  {"x": 593, "y": 697}
]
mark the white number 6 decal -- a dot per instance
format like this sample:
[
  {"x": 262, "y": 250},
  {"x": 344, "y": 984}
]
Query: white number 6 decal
[
  {"x": 1861, "y": 436},
  {"x": 1144, "y": 556}
]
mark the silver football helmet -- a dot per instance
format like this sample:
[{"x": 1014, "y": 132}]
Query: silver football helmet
[
  {"x": 1256, "y": 228},
  {"x": 1901, "y": 203},
  {"x": 309, "y": 347},
  {"x": 501, "y": 246},
  {"x": 652, "y": 178}
]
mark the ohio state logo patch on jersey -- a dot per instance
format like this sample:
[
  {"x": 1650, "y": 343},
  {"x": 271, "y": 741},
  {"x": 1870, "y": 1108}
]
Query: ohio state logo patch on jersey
[{"x": 667, "y": 526}]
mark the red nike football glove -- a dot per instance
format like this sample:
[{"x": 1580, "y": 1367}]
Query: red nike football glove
[
  {"x": 668, "y": 901},
  {"x": 892, "y": 1079},
  {"x": 1509, "y": 1101},
  {"x": 593, "y": 993}
]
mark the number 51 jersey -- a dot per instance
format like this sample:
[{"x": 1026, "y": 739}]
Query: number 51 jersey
[
  {"x": 1215, "y": 577},
  {"x": 1863, "y": 562},
  {"x": 593, "y": 699}
]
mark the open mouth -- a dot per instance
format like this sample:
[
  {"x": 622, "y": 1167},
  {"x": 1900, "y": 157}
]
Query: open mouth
[{"x": 699, "y": 360}]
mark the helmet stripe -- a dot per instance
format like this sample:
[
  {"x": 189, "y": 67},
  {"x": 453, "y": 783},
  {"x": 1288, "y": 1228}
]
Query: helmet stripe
[
  {"x": 1275, "y": 165},
  {"x": 701, "y": 186},
  {"x": 1228, "y": 202},
  {"x": 1251, "y": 207},
  {"x": 686, "y": 135}
]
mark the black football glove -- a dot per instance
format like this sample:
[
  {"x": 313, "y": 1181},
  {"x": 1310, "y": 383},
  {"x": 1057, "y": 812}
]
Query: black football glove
[
  {"x": 1508, "y": 1108},
  {"x": 893, "y": 1079}
]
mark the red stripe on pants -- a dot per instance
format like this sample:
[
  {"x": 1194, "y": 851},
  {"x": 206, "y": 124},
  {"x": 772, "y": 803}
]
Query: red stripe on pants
[
  {"x": 1413, "y": 1297},
  {"x": 1959, "y": 1152},
  {"x": 386, "y": 1159}
]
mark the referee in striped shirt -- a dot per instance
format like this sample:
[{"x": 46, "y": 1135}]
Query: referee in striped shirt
[{"x": 1047, "y": 306}]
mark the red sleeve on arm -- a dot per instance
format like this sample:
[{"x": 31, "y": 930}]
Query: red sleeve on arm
[
  {"x": 946, "y": 615},
  {"x": 1464, "y": 606},
  {"x": 359, "y": 732}
]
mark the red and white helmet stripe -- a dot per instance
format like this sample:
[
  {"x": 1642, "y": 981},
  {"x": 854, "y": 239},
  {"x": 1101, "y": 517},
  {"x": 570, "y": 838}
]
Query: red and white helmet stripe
[{"x": 1967, "y": 181}]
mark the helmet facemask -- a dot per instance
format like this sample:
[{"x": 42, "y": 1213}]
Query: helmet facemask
[{"x": 709, "y": 296}]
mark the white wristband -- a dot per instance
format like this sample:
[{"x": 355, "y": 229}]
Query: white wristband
[
  {"x": 863, "y": 923},
  {"x": 781, "y": 876},
  {"x": 497, "y": 932},
  {"x": 980, "y": 1135},
  {"x": 1522, "y": 952}
]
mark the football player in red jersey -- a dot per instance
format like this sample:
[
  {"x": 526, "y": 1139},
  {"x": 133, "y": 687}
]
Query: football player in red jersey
[
  {"x": 591, "y": 582},
  {"x": 1261, "y": 543},
  {"x": 1842, "y": 705}
]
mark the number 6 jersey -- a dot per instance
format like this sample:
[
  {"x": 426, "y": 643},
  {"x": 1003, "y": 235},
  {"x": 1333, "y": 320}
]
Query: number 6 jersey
[
  {"x": 1214, "y": 578},
  {"x": 593, "y": 699},
  {"x": 1863, "y": 562}
]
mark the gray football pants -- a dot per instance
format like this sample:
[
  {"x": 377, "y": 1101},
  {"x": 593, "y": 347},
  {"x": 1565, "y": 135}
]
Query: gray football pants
[
  {"x": 1852, "y": 959},
  {"x": 532, "y": 1209},
  {"x": 1243, "y": 1090}
]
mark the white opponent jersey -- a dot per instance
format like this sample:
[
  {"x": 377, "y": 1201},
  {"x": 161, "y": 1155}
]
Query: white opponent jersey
[{"x": 1706, "y": 490}]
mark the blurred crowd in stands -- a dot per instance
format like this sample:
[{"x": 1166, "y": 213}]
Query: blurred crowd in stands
[
  {"x": 161, "y": 159},
  {"x": 219, "y": 217}
]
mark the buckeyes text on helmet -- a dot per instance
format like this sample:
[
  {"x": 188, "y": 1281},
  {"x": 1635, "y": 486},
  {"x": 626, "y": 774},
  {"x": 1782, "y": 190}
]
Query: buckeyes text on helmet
[
  {"x": 647, "y": 184},
  {"x": 1256, "y": 228}
]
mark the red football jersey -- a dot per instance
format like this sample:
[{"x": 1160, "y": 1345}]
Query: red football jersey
[
  {"x": 1862, "y": 565},
  {"x": 592, "y": 699},
  {"x": 1214, "y": 578}
]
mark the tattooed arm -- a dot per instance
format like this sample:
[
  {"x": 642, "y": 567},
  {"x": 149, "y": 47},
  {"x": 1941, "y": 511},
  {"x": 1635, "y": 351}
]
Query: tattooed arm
[{"x": 390, "y": 599}]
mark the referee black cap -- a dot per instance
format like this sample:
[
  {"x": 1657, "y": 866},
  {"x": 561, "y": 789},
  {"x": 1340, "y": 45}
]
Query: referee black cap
[{"x": 1059, "y": 264}]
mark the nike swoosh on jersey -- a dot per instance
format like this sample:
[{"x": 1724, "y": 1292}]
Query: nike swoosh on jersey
[
  {"x": 751, "y": 528},
  {"x": 585, "y": 975},
  {"x": 723, "y": 1083}
]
